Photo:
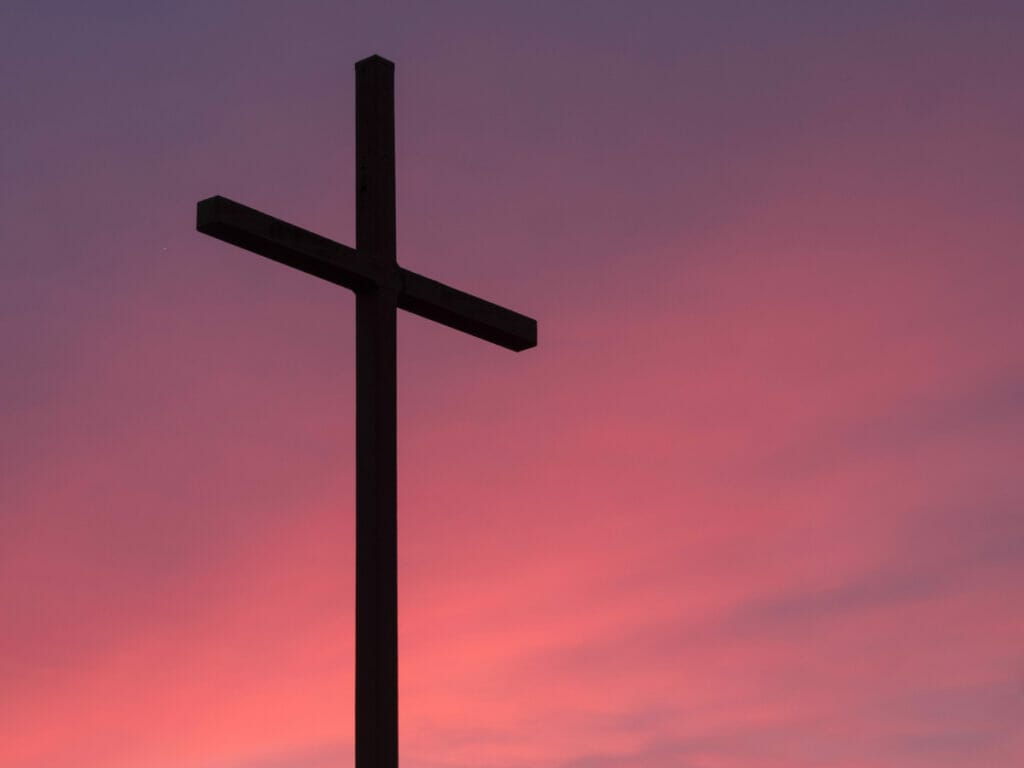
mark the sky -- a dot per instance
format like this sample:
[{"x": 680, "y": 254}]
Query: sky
[{"x": 754, "y": 501}]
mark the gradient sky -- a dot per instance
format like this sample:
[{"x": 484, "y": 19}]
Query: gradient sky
[{"x": 755, "y": 501}]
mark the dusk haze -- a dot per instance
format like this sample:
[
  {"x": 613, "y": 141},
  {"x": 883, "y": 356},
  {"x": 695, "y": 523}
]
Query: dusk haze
[{"x": 754, "y": 500}]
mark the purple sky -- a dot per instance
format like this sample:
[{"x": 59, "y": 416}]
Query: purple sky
[{"x": 754, "y": 501}]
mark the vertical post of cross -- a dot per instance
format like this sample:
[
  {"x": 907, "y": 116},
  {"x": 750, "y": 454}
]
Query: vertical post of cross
[{"x": 376, "y": 705}]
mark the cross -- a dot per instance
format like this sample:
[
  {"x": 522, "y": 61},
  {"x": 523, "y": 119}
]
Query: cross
[{"x": 381, "y": 288}]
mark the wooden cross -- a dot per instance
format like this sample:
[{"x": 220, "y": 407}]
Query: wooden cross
[{"x": 381, "y": 287}]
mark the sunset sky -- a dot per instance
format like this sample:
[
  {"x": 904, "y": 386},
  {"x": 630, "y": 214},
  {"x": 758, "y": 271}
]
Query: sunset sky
[{"x": 755, "y": 501}]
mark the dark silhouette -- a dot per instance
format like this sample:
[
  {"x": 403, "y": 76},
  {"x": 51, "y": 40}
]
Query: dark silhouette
[{"x": 381, "y": 288}]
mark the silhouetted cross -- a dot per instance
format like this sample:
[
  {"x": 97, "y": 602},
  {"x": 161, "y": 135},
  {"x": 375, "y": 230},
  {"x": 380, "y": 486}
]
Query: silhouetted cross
[{"x": 381, "y": 287}]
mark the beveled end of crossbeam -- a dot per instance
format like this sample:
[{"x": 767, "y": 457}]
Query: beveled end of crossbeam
[{"x": 283, "y": 242}]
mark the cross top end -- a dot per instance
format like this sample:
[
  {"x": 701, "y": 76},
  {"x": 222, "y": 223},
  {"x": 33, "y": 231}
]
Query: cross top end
[{"x": 375, "y": 61}]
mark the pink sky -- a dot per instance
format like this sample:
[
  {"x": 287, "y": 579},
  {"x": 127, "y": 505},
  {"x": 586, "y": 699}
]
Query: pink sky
[{"x": 755, "y": 501}]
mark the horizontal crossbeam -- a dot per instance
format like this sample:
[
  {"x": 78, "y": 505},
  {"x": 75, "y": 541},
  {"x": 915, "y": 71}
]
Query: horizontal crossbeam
[{"x": 308, "y": 252}]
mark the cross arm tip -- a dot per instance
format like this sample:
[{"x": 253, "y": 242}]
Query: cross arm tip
[
  {"x": 207, "y": 211},
  {"x": 528, "y": 340}
]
